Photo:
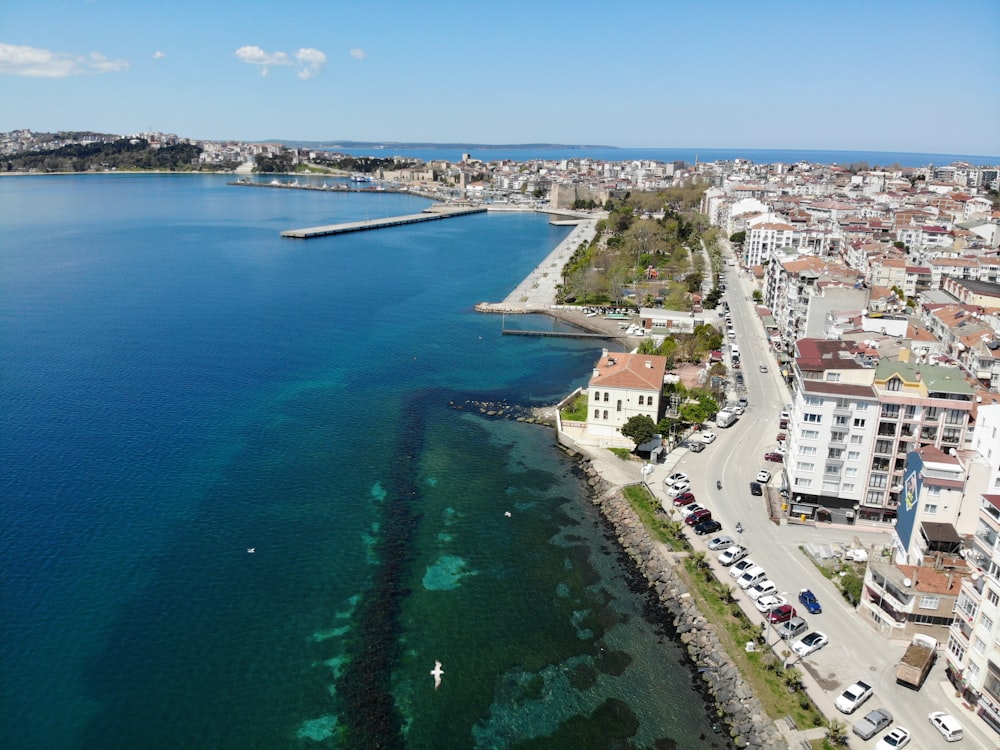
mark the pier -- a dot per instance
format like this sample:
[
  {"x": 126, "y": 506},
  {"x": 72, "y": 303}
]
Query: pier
[
  {"x": 557, "y": 334},
  {"x": 429, "y": 214}
]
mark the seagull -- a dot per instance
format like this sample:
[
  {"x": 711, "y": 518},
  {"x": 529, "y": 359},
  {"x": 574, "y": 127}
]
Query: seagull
[
  {"x": 436, "y": 674},
  {"x": 251, "y": 550}
]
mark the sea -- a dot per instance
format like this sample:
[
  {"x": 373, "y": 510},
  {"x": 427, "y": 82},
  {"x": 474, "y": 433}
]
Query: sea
[
  {"x": 251, "y": 494},
  {"x": 522, "y": 153}
]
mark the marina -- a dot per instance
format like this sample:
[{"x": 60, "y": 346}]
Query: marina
[{"x": 430, "y": 214}]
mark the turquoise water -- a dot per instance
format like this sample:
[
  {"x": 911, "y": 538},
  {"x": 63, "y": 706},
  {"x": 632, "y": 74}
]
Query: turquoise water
[{"x": 181, "y": 385}]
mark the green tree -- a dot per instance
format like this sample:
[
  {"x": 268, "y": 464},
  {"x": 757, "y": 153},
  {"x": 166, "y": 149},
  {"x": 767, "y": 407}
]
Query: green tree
[
  {"x": 639, "y": 428},
  {"x": 758, "y": 296},
  {"x": 738, "y": 238}
]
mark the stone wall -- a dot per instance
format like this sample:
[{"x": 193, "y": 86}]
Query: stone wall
[{"x": 749, "y": 726}]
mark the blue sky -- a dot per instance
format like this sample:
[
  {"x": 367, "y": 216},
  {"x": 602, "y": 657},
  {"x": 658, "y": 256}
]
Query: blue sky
[{"x": 880, "y": 75}]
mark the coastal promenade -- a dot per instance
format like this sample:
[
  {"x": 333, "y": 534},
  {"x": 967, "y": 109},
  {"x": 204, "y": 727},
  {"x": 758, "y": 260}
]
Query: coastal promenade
[{"x": 537, "y": 292}]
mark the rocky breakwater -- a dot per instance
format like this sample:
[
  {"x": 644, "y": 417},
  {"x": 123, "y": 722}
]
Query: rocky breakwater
[{"x": 749, "y": 726}]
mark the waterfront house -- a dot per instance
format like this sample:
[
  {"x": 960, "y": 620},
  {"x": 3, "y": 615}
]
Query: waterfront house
[{"x": 623, "y": 386}]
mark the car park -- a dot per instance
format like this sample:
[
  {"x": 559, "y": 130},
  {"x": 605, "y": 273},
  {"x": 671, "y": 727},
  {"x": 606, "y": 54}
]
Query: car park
[
  {"x": 693, "y": 519},
  {"x": 756, "y": 489},
  {"x": 733, "y": 555},
  {"x": 852, "y": 698},
  {"x": 793, "y": 628},
  {"x": 808, "y": 600},
  {"x": 709, "y": 526},
  {"x": 781, "y": 614},
  {"x": 769, "y": 602},
  {"x": 685, "y": 498},
  {"x": 763, "y": 588},
  {"x": 872, "y": 723},
  {"x": 721, "y": 542},
  {"x": 897, "y": 738},
  {"x": 763, "y": 476},
  {"x": 947, "y": 725},
  {"x": 814, "y": 641},
  {"x": 750, "y": 576},
  {"x": 774, "y": 456},
  {"x": 741, "y": 567},
  {"x": 708, "y": 437}
]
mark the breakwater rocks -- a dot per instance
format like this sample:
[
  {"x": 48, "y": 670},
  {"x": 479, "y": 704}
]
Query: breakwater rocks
[
  {"x": 499, "y": 307},
  {"x": 506, "y": 410},
  {"x": 749, "y": 725}
]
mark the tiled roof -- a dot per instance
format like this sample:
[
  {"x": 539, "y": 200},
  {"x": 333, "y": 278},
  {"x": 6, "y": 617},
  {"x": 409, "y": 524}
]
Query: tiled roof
[{"x": 631, "y": 371}]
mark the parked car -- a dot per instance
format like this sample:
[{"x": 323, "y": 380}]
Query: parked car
[
  {"x": 693, "y": 519},
  {"x": 852, "y": 698},
  {"x": 809, "y": 643},
  {"x": 690, "y": 508},
  {"x": 774, "y": 456},
  {"x": 784, "y": 414},
  {"x": 750, "y": 576},
  {"x": 763, "y": 476},
  {"x": 708, "y": 437},
  {"x": 765, "y": 587},
  {"x": 733, "y": 555},
  {"x": 677, "y": 476},
  {"x": 685, "y": 498},
  {"x": 808, "y": 600},
  {"x": 946, "y": 724},
  {"x": 781, "y": 614},
  {"x": 737, "y": 569},
  {"x": 756, "y": 489},
  {"x": 695, "y": 446},
  {"x": 679, "y": 487},
  {"x": 742, "y": 401},
  {"x": 709, "y": 526},
  {"x": 898, "y": 737},
  {"x": 872, "y": 723},
  {"x": 721, "y": 542},
  {"x": 770, "y": 601},
  {"x": 792, "y": 629}
]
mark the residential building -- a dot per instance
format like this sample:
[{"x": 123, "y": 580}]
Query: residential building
[{"x": 623, "y": 386}]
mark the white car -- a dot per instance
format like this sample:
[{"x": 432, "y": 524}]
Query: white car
[
  {"x": 721, "y": 542},
  {"x": 733, "y": 555},
  {"x": 770, "y": 601},
  {"x": 708, "y": 437},
  {"x": 809, "y": 643},
  {"x": 677, "y": 476},
  {"x": 751, "y": 576},
  {"x": 897, "y": 738},
  {"x": 739, "y": 568},
  {"x": 678, "y": 487},
  {"x": 851, "y": 699},
  {"x": 946, "y": 724},
  {"x": 762, "y": 588},
  {"x": 687, "y": 510},
  {"x": 763, "y": 476}
]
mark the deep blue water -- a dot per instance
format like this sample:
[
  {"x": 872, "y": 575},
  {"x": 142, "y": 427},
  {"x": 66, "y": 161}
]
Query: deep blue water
[
  {"x": 688, "y": 155},
  {"x": 180, "y": 384}
]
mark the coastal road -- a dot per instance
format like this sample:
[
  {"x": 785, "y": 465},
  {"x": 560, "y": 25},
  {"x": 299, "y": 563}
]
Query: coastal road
[{"x": 856, "y": 651}]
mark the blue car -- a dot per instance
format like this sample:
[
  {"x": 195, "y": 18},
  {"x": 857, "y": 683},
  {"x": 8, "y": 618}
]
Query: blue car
[{"x": 808, "y": 600}]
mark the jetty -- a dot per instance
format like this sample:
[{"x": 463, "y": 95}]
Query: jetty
[
  {"x": 429, "y": 214},
  {"x": 557, "y": 334}
]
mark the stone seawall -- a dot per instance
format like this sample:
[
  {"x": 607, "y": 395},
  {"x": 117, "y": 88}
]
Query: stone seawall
[{"x": 749, "y": 725}]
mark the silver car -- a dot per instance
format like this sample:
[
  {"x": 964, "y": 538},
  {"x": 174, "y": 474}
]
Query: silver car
[{"x": 792, "y": 628}]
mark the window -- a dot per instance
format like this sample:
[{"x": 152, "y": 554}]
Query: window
[
  {"x": 861, "y": 406},
  {"x": 857, "y": 439},
  {"x": 993, "y": 597},
  {"x": 877, "y": 480},
  {"x": 642, "y": 400},
  {"x": 814, "y": 418},
  {"x": 814, "y": 401},
  {"x": 956, "y": 647},
  {"x": 847, "y": 488},
  {"x": 597, "y": 413},
  {"x": 987, "y": 623},
  {"x": 840, "y": 421},
  {"x": 978, "y": 645},
  {"x": 834, "y": 453},
  {"x": 931, "y": 413},
  {"x": 803, "y": 482},
  {"x": 836, "y": 436},
  {"x": 929, "y": 602},
  {"x": 930, "y": 509},
  {"x": 807, "y": 450},
  {"x": 851, "y": 471},
  {"x": 859, "y": 422},
  {"x": 894, "y": 384},
  {"x": 810, "y": 434},
  {"x": 606, "y": 395},
  {"x": 605, "y": 413},
  {"x": 830, "y": 486},
  {"x": 832, "y": 377},
  {"x": 619, "y": 405},
  {"x": 597, "y": 395},
  {"x": 874, "y": 497},
  {"x": 853, "y": 455},
  {"x": 832, "y": 469},
  {"x": 883, "y": 446},
  {"x": 805, "y": 466}
]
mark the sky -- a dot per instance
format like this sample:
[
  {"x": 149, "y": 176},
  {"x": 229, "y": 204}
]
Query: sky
[{"x": 873, "y": 75}]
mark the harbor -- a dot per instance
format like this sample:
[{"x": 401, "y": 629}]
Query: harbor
[{"x": 429, "y": 214}]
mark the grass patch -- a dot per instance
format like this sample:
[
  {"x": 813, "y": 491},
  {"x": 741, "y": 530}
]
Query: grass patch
[
  {"x": 659, "y": 524},
  {"x": 576, "y": 410},
  {"x": 762, "y": 669},
  {"x": 847, "y": 576},
  {"x": 623, "y": 453}
]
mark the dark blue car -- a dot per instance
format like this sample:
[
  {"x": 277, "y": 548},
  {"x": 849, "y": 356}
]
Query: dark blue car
[{"x": 808, "y": 600}]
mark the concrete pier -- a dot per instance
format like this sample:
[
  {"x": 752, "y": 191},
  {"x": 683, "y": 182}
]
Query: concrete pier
[{"x": 429, "y": 214}]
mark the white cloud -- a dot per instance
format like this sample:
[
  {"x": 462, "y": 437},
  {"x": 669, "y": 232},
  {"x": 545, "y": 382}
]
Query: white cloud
[
  {"x": 159, "y": 55},
  {"x": 36, "y": 62},
  {"x": 311, "y": 61},
  {"x": 358, "y": 54},
  {"x": 254, "y": 55}
]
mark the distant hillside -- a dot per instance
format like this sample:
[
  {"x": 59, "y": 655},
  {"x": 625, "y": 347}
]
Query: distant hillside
[{"x": 418, "y": 144}]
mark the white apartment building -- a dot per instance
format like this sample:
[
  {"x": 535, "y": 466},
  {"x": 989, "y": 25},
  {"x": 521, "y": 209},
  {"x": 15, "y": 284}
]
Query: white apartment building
[{"x": 623, "y": 386}]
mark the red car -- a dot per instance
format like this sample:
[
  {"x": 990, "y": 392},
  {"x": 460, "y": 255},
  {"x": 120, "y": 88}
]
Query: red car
[
  {"x": 781, "y": 614},
  {"x": 698, "y": 516},
  {"x": 685, "y": 498},
  {"x": 776, "y": 457}
]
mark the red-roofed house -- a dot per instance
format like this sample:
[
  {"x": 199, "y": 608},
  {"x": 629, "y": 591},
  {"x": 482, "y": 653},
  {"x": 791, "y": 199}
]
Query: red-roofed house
[{"x": 623, "y": 386}]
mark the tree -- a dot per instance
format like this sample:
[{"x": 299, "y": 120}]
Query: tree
[
  {"x": 639, "y": 428},
  {"x": 738, "y": 238},
  {"x": 758, "y": 296}
]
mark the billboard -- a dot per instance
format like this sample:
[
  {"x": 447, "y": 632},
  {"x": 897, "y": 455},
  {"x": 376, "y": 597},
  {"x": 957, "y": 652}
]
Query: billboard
[{"x": 909, "y": 496}]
